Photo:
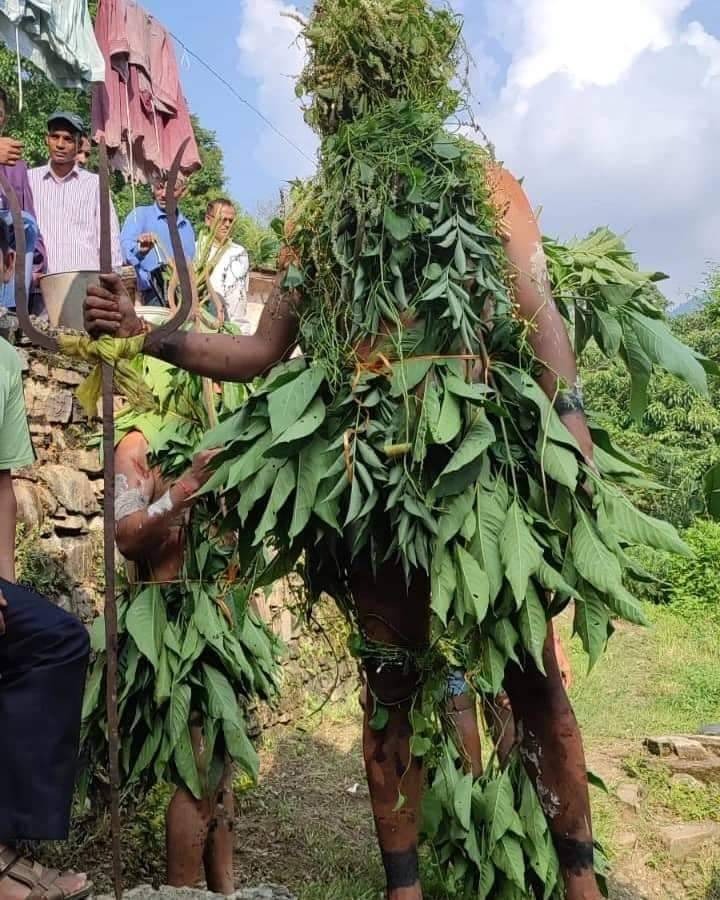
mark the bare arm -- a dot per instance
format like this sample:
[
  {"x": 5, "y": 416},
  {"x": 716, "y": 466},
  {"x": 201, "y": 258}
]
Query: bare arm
[
  {"x": 222, "y": 357},
  {"x": 548, "y": 333},
  {"x": 140, "y": 523},
  {"x": 8, "y": 523}
]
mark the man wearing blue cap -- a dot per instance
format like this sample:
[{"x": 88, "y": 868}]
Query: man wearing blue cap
[{"x": 67, "y": 200}]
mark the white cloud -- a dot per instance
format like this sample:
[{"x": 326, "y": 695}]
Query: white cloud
[
  {"x": 271, "y": 54},
  {"x": 609, "y": 108}
]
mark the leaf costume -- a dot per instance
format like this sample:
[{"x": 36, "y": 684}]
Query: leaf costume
[
  {"x": 194, "y": 647},
  {"x": 380, "y": 445}
]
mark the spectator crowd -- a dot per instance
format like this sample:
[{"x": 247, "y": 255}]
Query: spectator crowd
[{"x": 60, "y": 202}]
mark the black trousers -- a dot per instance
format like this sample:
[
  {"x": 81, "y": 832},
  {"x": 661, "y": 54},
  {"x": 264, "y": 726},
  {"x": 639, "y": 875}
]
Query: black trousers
[{"x": 43, "y": 660}]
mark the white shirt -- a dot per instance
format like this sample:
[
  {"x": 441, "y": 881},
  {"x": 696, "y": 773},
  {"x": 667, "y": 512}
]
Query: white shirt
[{"x": 230, "y": 279}]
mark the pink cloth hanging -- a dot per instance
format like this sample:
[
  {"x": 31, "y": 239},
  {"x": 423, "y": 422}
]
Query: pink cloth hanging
[{"x": 140, "y": 110}]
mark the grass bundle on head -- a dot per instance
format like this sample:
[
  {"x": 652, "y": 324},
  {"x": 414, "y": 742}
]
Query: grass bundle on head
[{"x": 363, "y": 53}]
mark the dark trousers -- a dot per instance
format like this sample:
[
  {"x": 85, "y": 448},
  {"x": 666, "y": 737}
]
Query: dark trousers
[{"x": 43, "y": 659}]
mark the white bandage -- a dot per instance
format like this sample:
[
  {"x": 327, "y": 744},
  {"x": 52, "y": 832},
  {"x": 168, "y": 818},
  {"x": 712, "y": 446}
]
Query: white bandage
[
  {"x": 161, "y": 506},
  {"x": 128, "y": 501}
]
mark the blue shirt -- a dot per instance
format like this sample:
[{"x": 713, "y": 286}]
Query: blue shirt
[
  {"x": 153, "y": 220},
  {"x": 7, "y": 289}
]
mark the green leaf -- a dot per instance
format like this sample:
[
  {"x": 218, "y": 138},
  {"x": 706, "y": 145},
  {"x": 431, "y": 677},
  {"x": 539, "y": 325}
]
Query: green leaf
[
  {"x": 609, "y": 333},
  {"x": 533, "y": 625},
  {"x": 520, "y": 554},
  {"x": 507, "y": 638},
  {"x": 485, "y": 547},
  {"x": 636, "y": 527},
  {"x": 399, "y": 227},
  {"x": 508, "y": 857},
  {"x": 622, "y": 602},
  {"x": 597, "y": 781},
  {"x": 464, "y": 467},
  {"x": 97, "y": 635},
  {"x": 287, "y": 404},
  {"x": 146, "y": 622},
  {"x": 443, "y": 585},
  {"x": 475, "y": 584},
  {"x": 408, "y": 375},
  {"x": 283, "y": 487},
  {"x": 380, "y": 718},
  {"x": 640, "y": 368},
  {"x": 312, "y": 467},
  {"x": 240, "y": 748},
  {"x": 420, "y": 746},
  {"x": 446, "y": 147},
  {"x": 558, "y": 462},
  {"x": 91, "y": 700},
  {"x": 667, "y": 352},
  {"x": 592, "y": 622},
  {"x": 432, "y": 813},
  {"x": 462, "y": 800},
  {"x": 144, "y": 759},
  {"x": 179, "y": 711},
  {"x": 450, "y": 422},
  {"x": 712, "y": 492},
  {"x": 496, "y": 806},
  {"x": 257, "y": 488},
  {"x": 222, "y": 701},
  {"x": 594, "y": 562},
  {"x": 494, "y": 667},
  {"x": 307, "y": 424},
  {"x": 475, "y": 393},
  {"x": 184, "y": 760}
]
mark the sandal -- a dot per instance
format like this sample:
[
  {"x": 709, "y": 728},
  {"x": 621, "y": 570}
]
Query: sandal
[{"x": 42, "y": 882}]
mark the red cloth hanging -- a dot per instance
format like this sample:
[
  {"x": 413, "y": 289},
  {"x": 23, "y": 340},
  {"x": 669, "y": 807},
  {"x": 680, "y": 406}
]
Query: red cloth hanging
[{"x": 140, "y": 110}]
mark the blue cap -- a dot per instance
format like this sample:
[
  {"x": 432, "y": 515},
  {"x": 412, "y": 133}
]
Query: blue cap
[{"x": 74, "y": 121}]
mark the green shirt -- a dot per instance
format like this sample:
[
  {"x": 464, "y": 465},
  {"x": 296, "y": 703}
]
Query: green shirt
[{"x": 16, "y": 449}]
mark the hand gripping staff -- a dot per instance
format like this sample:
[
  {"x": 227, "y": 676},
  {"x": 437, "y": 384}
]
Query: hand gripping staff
[{"x": 49, "y": 342}]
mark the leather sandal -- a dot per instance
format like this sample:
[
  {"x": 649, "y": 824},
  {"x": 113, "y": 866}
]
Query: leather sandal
[{"x": 41, "y": 882}]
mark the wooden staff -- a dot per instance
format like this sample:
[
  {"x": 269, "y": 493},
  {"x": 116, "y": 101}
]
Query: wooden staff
[{"x": 48, "y": 342}]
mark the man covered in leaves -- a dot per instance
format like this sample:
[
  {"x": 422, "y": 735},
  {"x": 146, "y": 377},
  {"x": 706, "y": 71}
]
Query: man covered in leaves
[
  {"x": 430, "y": 455},
  {"x": 187, "y": 649}
]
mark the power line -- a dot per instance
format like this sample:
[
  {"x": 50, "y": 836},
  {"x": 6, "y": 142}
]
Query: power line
[{"x": 242, "y": 99}]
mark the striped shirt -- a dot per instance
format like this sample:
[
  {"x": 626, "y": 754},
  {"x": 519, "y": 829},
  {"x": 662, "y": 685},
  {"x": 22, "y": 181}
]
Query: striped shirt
[{"x": 68, "y": 213}]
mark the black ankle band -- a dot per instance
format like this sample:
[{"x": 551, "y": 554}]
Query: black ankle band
[
  {"x": 402, "y": 868},
  {"x": 577, "y": 856}
]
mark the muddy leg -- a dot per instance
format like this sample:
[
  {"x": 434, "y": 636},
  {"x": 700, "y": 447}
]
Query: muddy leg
[
  {"x": 391, "y": 615},
  {"x": 552, "y": 750},
  {"x": 218, "y": 857},
  {"x": 186, "y": 830},
  {"x": 462, "y": 712}
]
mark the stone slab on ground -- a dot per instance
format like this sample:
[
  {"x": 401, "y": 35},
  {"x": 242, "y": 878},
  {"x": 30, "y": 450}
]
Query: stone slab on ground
[
  {"x": 707, "y": 771},
  {"x": 683, "y": 841},
  {"x": 146, "y": 892}
]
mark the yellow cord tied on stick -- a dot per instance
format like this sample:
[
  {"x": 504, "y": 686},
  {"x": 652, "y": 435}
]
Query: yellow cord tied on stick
[{"x": 118, "y": 352}]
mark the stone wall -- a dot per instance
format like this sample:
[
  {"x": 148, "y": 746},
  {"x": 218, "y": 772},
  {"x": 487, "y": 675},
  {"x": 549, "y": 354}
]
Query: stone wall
[{"x": 60, "y": 507}]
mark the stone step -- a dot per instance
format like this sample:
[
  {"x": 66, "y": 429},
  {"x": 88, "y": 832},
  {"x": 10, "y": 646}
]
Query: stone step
[
  {"x": 707, "y": 771},
  {"x": 146, "y": 892},
  {"x": 684, "y": 841}
]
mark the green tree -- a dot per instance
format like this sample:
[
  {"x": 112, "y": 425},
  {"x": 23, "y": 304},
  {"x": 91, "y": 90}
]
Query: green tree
[{"x": 678, "y": 437}]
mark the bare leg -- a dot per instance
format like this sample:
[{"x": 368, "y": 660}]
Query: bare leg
[
  {"x": 219, "y": 848},
  {"x": 462, "y": 713},
  {"x": 392, "y": 615},
  {"x": 186, "y": 829},
  {"x": 552, "y": 750}
]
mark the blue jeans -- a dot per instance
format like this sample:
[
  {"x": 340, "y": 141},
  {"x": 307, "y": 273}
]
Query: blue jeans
[{"x": 43, "y": 659}]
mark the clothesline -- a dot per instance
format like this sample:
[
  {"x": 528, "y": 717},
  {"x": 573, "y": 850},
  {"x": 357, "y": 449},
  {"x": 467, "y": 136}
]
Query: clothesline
[{"x": 239, "y": 97}]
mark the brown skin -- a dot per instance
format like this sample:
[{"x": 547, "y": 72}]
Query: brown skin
[
  {"x": 221, "y": 222},
  {"x": 232, "y": 358},
  {"x": 10, "y": 150},
  {"x": 198, "y": 832},
  {"x": 83, "y": 154},
  {"x": 62, "y": 145}
]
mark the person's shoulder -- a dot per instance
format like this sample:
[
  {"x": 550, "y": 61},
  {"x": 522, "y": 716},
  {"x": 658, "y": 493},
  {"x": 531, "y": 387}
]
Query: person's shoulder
[
  {"x": 134, "y": 444},
  {"x": 38, "y": 171},
  {"x": 10, "y": 365}
]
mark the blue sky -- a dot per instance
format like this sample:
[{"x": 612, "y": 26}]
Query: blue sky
[{"x": 609, "y": 108}]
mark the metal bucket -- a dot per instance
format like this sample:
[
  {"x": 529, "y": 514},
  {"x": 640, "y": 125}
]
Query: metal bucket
[{"x": 64, "y": 295}]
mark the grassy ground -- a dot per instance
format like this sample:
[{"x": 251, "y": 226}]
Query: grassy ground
[{"x": 309, "y": 826}]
